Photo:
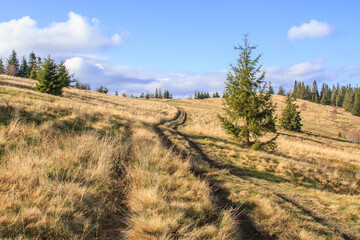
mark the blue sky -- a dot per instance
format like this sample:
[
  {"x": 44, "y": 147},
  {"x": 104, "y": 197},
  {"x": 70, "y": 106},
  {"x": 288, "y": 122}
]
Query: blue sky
[{"x": 137, "y": 46}]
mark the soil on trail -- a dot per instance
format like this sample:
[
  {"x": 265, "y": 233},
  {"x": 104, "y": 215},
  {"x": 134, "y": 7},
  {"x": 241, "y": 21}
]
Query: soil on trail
[{"x": 247, "y": 229}]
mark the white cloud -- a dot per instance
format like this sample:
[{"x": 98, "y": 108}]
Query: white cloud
[
  {"x": 304, "y": 72},
  {"x": 77, "y": 34},
  {"x": 313, "y": 29},
  {"x": 98, "y": 72}
]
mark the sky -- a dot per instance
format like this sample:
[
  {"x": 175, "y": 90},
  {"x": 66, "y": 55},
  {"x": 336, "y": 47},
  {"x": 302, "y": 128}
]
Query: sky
[{"x": 182, "y": 46}]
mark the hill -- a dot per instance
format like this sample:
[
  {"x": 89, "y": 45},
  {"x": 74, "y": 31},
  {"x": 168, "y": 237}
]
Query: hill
[{"x": 90, "y": 165}]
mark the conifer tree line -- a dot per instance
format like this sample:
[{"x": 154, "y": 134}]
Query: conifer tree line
[
  {"x": 347, "y": 96},
  {"x": 52, "y": 77},
  {"x": 158, "y": 94},
  {"x": 203, "y": 95}
]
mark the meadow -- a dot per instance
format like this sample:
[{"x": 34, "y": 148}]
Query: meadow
[{"x": 89, "y": 165}]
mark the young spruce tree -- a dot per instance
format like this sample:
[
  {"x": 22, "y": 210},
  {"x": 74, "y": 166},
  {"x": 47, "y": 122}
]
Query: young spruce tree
[
  {"x": 290, "y": 117},
  {"x": 49, "y": 81},
  {"x": 247, "y": 103}
]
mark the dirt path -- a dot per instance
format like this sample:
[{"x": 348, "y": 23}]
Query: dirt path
[{"x": 248, "y": 229}]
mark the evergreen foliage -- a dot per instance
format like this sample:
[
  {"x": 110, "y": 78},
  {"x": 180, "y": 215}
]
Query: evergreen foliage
[
  {"x": 64, "y": 76},
  {"x": 348, "y": 99},
  {"x": 13, "y": 64},
  {"x": 216, "y": 95},
  {"x": 102, "y": 89},
  {"x": 271, "y": 89},
  {"x": 33, "y": 74},
  {"x": 83, "y": 86},
  {"x": 248, "y": 106},
  {"x": 315, "y": 93},
  {"x": 24, "y": 69},
  {"x": 202, "y": 95},
  {"x": 49, "y": 81},
  {"x": 356, "y": 105},
  {"x": 339, "y": 96},
  {"x": 2, "y": 68},
  {"x": 32, "y": 62},
  {"x": 281, "y": 91},
  {"x": 290, "y": 117}
]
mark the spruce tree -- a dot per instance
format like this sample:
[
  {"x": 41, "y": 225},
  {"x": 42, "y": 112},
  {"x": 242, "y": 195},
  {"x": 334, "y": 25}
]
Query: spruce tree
[
  {"x": 290, "y": 118},
  {"x": 13, "y": 63},
  {"x": 247, "y": 103},
  {"x": 315, "y": 93},
  {"x": 48, "y": 78},
  {"x": 356, "y": 105},
  {"x": 271, "y": 89},
  {"x": 24, "y": 68},
  {"x": 33, "y": 74},
  {"x": 64, "y": 76},
  {"x": 2, "y": 69},
  {"x": 326, "y": 95},
  {"x": 348, "y": 99},
  {"x": 281, "y": 91},
  {"x": 295, "y": 90}
]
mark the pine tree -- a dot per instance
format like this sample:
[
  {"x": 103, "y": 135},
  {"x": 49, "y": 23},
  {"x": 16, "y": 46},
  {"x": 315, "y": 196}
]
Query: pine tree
[
  {"x": 24, "y": 68},
  {"x": 295, "y": 90},
  {"x": 103, "y": 89},
  {"x": 348, "y": 99},
  {"x": 334, "y": 93},
  {"x": 33, "y": 73},
  {"x": 13, "y": 64},
  {"x": 325, "y": 95},
  {"x": 32, "y": 60},
  {"x": 290, "y": 117},
  {"x": 281, "y": 91},
  {"x": 356, "y": 105},
  {"x": 248, "y": 106},
  {"x": 48, "y": 78},
  {"x": 315, "y": 93},
  {"x": 156, "y": 93},
  {"x": 2, "y": 69},
  {"x": 271, "y": 89},
  {"x": 116, "y": 93},
  {"x": 64, "y": 76}
]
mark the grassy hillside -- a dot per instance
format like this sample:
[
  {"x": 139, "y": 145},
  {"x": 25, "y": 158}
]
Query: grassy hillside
[
  {"x": 307, "y": 189},
  {"x": 89, "y": 165}
]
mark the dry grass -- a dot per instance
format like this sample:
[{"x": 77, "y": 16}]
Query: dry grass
[
  {"x": 166, "y": 201},
  {"x": 55, "y": 184},
  {"x": 69, "y": 170},
  {"x": 316, "y": 169}
]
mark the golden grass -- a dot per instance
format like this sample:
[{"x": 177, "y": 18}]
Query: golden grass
[
  {"x": 316, "y": 169},
  {"x": 69, "y": 170},
  {"x": 54, "y": 184},
  {"x": 166, "y": 201}
]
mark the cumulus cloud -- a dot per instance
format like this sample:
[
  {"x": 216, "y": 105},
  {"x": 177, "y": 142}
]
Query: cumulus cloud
[
  {"x": 77, "y": 34},
  {"x": 303, "y": 72},
  {"x": 98, "y": 72},
  {"x": 313, "y": 29}
]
